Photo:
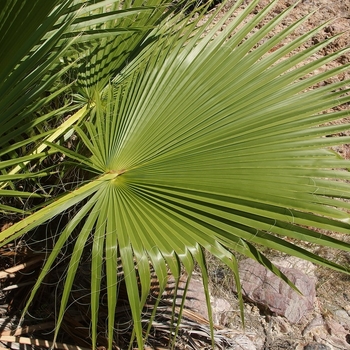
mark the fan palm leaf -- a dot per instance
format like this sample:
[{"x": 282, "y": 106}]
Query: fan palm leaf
[
  {"x": 201, "y": 142},
  {"x": 55, "y": 38}
]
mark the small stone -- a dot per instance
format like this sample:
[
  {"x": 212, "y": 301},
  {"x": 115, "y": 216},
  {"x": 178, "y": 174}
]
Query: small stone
[
  {"x": 242, "y": 342},
  {"x": 196, "y": 301},
  {"x": 342, "y": 317},
  {"x": 347, "y": 309},
  {"x": 195, "y": 296},
  {"x": 316, "y": 322},
  {"x": 334, "y": 328},
  {"x": 220, "y": 309},
  {"x": 283, "y": 326},
  {"x": 316, "y": 346}
]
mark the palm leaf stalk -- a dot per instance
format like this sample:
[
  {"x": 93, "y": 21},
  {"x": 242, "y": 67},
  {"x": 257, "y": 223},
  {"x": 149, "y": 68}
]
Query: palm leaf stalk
[{"x": 201, "y": 142}]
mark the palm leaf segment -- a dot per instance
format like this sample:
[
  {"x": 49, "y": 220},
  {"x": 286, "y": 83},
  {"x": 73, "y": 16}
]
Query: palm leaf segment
[{"x": 204, "y": 143}]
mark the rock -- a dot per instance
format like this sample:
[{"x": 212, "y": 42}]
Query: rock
[
  {"x": 339, "y": 313},
  {"x": 195, "y": 296},
  {"x": 337, "y": 335},
  {"x": 242, "y": 342},
  {"x": 342, "y": 317},
  {"x": 279, "y": 344},
  {"x": 220, "y": 309},
  {"x": 347, "y": 308},
  {"x": 316, "y": 323},
  {"x": 263, "y": 287},
  {"x": 329, "y": 331},
  {"x": 316, "y": 346},
  {"x": 282, "y": 325},
  {"x": 292, "y": 262},
  {"x": 196, "y": 302}
]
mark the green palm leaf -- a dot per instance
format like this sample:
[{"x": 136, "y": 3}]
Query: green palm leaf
[
  {"x": 111, "y": 35},
  {"x": 43, "y": 41},
  {"x": 200, "y": 143}
]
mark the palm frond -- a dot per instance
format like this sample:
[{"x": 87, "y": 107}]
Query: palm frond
[
  {"x": 39, "y": 66},
  {"x": 202, "y": 142}
]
